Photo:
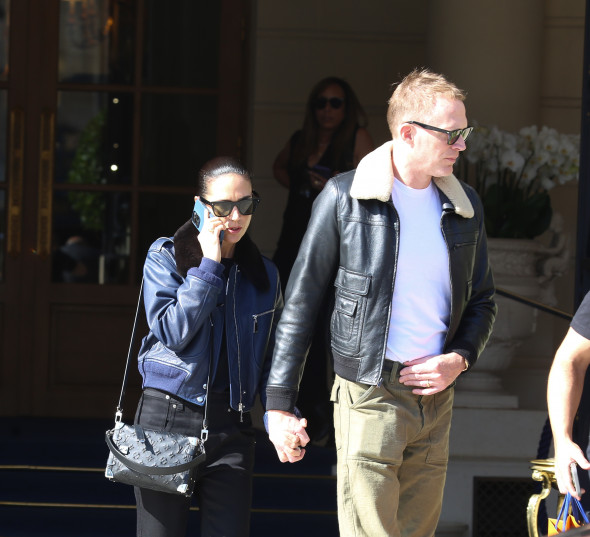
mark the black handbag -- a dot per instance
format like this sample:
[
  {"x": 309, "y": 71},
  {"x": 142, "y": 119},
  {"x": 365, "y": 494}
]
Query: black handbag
[{"x": 157, "y": 460}]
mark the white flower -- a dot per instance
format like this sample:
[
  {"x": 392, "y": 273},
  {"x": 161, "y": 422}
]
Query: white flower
[
  {"x": 509, "y": 141},
  {"x": 547, "y": 183},
  {"x": 529, "y": 133},
  {"x": 512, "y": 161},
  {"x": 533, "y": 154}
]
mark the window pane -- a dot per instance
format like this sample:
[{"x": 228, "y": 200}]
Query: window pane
[
  {"x": 93, "y": 138},
  {"x": 181, "y": 43},
  {"x": 4, "y": 32},
  {"x": 3, "y": 128},
  {"x": 97, "y": 41},
  {"x": 178, "y": 137},
  {"x": 91, "y": 237},
  {"x": 160, "y": 215},
  {"x": 2, "y": 232}
]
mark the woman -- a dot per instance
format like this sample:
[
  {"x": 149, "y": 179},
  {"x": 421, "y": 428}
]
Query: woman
[
  {"x": 332, "y": 140},
  {"x": 211, "y": 308}
]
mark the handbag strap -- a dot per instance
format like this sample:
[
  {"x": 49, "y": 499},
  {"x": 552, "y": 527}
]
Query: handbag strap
[
  {"x": 151, "y": 470},
  {"x": 577, "y": 510},
  {"x": 119, "y": 411}
]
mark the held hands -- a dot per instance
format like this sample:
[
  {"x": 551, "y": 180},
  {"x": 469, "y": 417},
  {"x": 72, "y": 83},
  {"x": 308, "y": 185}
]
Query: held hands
[
  {"x": 209, "y": 236},
  {"x": 287, "y": 433},
  {"x": 432, "y": 374},
  {"x": 566, "y": 452}
]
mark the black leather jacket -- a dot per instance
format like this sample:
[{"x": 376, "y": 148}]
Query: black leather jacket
[{"x": 351, "y": 247}]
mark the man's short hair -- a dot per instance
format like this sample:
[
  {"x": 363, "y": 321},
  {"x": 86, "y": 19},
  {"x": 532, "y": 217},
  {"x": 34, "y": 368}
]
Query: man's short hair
[{"x": 414, "y": 97}]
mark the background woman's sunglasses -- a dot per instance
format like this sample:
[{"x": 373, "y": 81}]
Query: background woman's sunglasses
[
  {"x": 246, "y": 206},
  {"x": 335, "y": 102}
]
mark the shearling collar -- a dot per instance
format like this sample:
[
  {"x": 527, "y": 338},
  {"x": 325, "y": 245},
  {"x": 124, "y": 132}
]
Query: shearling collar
[
  {"x": 188, "y": 253},
  {"x": 373, "y": 179}
]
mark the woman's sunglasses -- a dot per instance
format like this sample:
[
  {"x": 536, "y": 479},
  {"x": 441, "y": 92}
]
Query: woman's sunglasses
[
  {"x": 322, "y": 102},
  {"x": 246, "y": 206},
  {"x": 452, "y": 136}
]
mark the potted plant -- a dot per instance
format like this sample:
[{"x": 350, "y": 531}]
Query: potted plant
[{"x": 513, "y": 174}]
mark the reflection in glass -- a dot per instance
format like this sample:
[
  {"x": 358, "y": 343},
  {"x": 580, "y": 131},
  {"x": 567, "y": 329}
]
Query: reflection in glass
[
  {"x": 91, "y": 237},
  {"x": 96, "y": 41},
  {"x": 175, "y": 143},
  {"x": 4, "y": 31},
  {"x": 181, "y": 44},
  {"x": 2, "y": 232},
  {"x": 3, "y": 128},
  {"x": 160, "y": 215},
  {"x": 93, "y": 138}
]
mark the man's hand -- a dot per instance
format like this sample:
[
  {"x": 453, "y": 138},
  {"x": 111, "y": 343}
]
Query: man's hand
[
  {"x": 567, "y": 452},
  {"x": 432, "y": 374},
  {"x": 287, "y": 433}
]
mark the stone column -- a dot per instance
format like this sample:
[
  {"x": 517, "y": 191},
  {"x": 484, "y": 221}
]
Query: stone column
[{"x": 494, "y": 51}]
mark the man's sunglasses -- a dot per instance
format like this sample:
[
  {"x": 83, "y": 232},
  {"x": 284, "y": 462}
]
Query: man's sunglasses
[
  {"x": 322, "y": 102},
  {"x": 246, "y": 206},
  {"x": 452, "y": 136}
]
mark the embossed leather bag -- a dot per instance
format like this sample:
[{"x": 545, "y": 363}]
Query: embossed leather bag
[{"x": 157, "y": 460}]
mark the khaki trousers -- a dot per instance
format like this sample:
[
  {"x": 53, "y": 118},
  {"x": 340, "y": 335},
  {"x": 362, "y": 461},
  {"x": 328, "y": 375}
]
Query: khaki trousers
[{"x": 392, "y": 448}]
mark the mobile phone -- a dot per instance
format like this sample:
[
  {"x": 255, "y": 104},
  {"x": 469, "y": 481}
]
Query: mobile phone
[
  {"x": 574, "y": 472},
  {"x": 198, "y": 217},
  {"x": 324, "y": 171}
]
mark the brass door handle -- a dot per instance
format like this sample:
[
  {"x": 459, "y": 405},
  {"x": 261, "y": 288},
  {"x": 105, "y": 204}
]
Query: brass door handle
[
  {"x": 45, "y": 190},
  {"x": 16, "y": 150}
]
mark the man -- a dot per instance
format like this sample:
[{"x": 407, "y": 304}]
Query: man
[
  {"x": 402, "y": 243},
  {"x": 564, "y": 390}
]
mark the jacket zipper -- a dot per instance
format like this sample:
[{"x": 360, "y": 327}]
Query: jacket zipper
[
  {"x": 442, "y": 228},
  {"x": 240, "y": 404},
  {"x": 255, "y": 318},
  {"x": 397, "y": 221}
]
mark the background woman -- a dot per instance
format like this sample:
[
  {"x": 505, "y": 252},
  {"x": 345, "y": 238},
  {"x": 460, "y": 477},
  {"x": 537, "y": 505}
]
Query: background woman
[
  {"x": 205, "y": 303},
  {"x": 332, "y": 140}
]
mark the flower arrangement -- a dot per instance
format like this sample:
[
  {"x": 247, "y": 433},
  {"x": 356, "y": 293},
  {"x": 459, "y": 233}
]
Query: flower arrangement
[{"x": 513, "y": 174}]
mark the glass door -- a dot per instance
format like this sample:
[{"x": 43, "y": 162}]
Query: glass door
[{"x": 107, "y": 108}]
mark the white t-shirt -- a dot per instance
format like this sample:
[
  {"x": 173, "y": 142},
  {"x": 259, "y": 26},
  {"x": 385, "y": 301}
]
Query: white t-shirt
[{"x": 421, "y": 302}]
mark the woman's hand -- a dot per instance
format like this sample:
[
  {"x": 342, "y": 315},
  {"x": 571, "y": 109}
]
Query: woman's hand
[
  {"x": 209, "y": 236},
  {"x": 316, "y": 181},
  {"x": 287, "y": 432}
]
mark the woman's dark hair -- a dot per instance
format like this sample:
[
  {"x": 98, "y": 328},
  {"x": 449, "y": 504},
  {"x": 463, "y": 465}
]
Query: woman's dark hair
[
  {"x": 354, "y": 117},
  {"x": 219, "y": 166}
]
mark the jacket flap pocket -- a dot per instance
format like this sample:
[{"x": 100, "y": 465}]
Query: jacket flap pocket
[
  {"x": 345, "y": 305},
  {"x": 352, "y": 282}
]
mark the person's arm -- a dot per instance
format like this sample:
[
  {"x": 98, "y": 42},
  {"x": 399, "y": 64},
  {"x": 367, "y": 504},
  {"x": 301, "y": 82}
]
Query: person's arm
[
  {"x": 564, "y": 390},
  {"x": 363, "y": 144},
  {"x": 177, "y": 308},
  {"x": 310, "y": 278},
  {"x": 280, "y": 165}
]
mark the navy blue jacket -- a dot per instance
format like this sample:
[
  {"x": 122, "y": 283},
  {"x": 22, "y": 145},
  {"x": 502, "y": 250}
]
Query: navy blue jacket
[{"x": 186, "y": 321}]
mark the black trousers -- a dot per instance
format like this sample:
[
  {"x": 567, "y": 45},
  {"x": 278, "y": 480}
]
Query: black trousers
[{"x": 223, "y": 490}]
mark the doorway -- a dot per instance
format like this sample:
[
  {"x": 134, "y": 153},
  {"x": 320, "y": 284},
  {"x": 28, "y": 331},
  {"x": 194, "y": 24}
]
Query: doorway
[{"x": 107, "y": 110}]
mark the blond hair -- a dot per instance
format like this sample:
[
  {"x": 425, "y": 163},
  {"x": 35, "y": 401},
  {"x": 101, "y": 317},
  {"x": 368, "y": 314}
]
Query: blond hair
[{"x": 414, "y": 97}]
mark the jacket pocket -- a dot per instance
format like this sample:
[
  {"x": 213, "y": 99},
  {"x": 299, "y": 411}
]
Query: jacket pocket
[
  {"x": 349, "y": 313},
  {"x": 261, "y": 322}
]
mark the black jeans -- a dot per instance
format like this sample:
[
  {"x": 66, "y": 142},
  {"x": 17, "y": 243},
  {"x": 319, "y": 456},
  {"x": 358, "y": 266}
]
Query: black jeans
[{"x": 224, "y": 481}]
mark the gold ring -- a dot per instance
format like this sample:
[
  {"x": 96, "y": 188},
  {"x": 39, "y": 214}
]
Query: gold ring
[{"x": 428, "y": 384}]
